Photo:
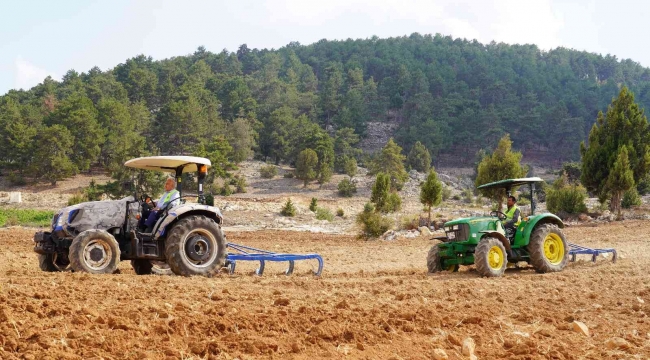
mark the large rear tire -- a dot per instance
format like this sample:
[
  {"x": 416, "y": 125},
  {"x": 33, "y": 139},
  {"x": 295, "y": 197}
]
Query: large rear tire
[
  {"x": 95, "y": 252},
  {"x": 490, "y": 257},
  {"x": 196, "y": 246},
  {"x": 53, "y": 262},
  {"x": 548, "y": 248}
]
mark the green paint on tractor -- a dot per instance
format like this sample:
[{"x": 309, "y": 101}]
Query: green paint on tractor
[{"x": 484, "y": 242}]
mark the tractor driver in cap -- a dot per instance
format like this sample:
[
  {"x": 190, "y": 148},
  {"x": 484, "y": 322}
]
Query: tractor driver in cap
[
  {"x": 170, "y": 195},
  {"x": 513, "y": 215}
]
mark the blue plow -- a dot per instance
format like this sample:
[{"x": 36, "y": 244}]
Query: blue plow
[
  {"x": 575, "y": 250},
  {"x": 246, "y": 253}
]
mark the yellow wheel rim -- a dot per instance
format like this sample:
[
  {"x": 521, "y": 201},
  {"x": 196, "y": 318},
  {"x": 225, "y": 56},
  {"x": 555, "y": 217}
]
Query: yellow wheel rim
[
  {"x": 495, "y": 258},
  {"x": 553, "y": 249},
  {"x": 451, "y": 267}
]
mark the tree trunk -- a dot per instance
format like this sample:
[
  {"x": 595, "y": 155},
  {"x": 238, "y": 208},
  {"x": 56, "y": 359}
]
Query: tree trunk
[{"x": 429, "y": 216}]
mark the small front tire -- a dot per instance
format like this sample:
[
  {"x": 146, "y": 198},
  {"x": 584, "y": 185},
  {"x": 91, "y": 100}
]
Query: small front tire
[
  {"x": 95, "y": 252},
  {"x": 53, "y": 262},
  {"x": 490, "y": 257}
]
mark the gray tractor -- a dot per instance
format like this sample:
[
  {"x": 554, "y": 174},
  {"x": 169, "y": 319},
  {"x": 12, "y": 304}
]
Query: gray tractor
[{"x": 94, "y": 236}]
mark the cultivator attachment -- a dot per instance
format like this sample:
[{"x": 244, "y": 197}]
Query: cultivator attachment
[
  {"x": 575, "y": 250},
  {"x": 245, "y": 253}
]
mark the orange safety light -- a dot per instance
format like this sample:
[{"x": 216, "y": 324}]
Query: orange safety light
[{"x": 203, "y": 169}]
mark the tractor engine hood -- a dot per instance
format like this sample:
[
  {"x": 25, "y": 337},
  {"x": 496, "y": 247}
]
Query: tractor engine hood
[{"x": 103, "y": 215}]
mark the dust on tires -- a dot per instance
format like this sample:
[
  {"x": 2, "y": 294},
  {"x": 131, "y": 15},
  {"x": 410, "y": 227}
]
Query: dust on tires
[
  {"x": 196, "y": 246},
  {"x": 490, "y": 257},
  {"x": 95, "y": 252},
  {"x": 548, "y": 248}
]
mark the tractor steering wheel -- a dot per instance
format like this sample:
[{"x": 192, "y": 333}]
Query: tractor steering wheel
[
  {"x": 498, "y": 214},
  {"x": 143, "y": 200}
]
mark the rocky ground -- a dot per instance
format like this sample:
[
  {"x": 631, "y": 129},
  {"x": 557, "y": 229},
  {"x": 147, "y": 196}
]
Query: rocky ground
[{"x": 373, "y": 301}]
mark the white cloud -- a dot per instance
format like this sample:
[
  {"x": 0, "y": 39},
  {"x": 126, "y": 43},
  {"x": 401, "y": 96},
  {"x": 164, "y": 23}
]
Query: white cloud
[{"x": 28, "y": 75}]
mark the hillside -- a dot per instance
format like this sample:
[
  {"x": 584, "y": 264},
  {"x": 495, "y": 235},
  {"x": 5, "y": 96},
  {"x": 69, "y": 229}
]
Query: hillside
[{"x": 454, "y": 96}]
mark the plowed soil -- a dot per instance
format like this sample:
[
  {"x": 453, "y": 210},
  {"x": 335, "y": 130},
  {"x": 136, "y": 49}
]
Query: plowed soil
[{"x": 374, "y": 300}]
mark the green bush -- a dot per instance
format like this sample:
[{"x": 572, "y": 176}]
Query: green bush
[
  {"x": 409, "y": 222},
  {"x": 347, "y": 188},
  {"x": 446, "y": 192},
  {"x": 631, "y": 198},
  {"x": 289, "y": 175},
  {"x": 523, "y": 201},
  {"x": 226, "y": 190},
  {"x": 468, "y": 196},
  {"x": 373, "y": 224},
  {"x": 456, "y": 197},
  {"x": 16, "y": 179},
  {"x": 25, "y": 217},
  {"x": 324, "y": 214},
  {"x": 209, "y": 199},
  {"x": 288, "y": 209},
  {"x": 76, "y": 199},
  {"x": 239, "y": 183},
  {"x": 393, "y": 203},
  {"x": 340, "y": 212},
  {"x": 268, "y": 171},
  {"x": 313, "y": 205},
  {"x": 566, "y": 198},
  {"x": 643, "y": 187}
]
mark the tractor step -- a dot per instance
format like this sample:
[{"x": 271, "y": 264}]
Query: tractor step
[
  {"x": 575, "y": 250},
  {"x": 246, "y": 253}
]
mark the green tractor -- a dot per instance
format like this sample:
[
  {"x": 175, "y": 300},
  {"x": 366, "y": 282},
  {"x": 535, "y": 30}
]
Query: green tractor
[{"x": 483, "y": 241}]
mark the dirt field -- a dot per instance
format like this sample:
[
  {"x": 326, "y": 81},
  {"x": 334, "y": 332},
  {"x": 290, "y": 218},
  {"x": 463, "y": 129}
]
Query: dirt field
[{"x": 374, "y": 301}]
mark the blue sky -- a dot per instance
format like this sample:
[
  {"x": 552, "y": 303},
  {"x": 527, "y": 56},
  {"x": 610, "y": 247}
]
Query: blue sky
[{"x": 40, "y": 38}]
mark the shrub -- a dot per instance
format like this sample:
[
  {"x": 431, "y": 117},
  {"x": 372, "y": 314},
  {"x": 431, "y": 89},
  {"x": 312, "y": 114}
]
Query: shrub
[
  {"x": 643, "y": 187},
  {"x": 288, "y": 209},
  {"x": 16, "y": 179},
  {"x": 288, "y": 175},
  {"x": 523, "y": 201},
  {"x": 631, "y": 198},
  {"x": 324, "y": 214},
  {"x": 226, "y": 190},
  {"x": 347, "y": 188},
  {"x": 380, "y": 191},
  {"x": 446, "y": 193},
  {"x": 340, "y": 212},
  {"x": 409, "y": 222},
  {"x": 239, "y": 182},
  {"x": 268, "y": 171},
  {"x": 565, "y": 197},
  {"x": 76, "y": 199},
  {"x": 456, "y": 197},
  {"x": 372, "y": 223},
  {"x": 209, "y": 199},
  {"x": 468, "y": 196},
  {"x": 393, "y": 203},
  {"x": 313, "y": 205}
]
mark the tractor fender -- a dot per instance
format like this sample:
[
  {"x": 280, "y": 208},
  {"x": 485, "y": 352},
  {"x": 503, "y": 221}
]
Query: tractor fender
[
  {"x": 185, "y": 210},
  {"x": 499, "y": 236},
  {"x": 523, "y": 237}
]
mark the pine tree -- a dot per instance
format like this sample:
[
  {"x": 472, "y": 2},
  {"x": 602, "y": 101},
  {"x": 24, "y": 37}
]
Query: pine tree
[
  {"x": 52, "y": 154},
  {"x": 391, "y": 162},
  {"x": 431, "y": 191},
  {"x": 380, "y": 191},
  {"x": 624, "y": 125},
  {"x": 306, "y": 166},
  {"x": 620, "y": 179},
  {"x": 502, "y": 164},
  {"x": 419, "y": 158}
]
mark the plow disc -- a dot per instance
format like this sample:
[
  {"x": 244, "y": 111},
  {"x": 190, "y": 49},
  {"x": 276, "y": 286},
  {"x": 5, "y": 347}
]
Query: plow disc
[{"x": 246, "y": 253}]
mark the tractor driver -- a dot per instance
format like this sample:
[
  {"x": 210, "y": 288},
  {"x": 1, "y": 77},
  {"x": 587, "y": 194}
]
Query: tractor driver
[
  {"x": 513, "y": 215},
  {"x": 170, "y": 195}
]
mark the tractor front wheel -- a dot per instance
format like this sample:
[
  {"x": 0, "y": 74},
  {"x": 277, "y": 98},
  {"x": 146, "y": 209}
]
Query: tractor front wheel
[
  {"x": 433, "y": 261},
  {"x": 490, "y": 257},
  {"x": 196, "y": 246},
  {"x": 95, "y": 252},
  {"x": 548, "y": 249},
  {"x": 53, "y": 262}
]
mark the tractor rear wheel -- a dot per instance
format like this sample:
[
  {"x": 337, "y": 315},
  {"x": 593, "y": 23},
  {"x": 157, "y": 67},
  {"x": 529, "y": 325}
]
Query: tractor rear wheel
[
  {"x": 548, "y": 248},
  {"x": 53, "y": 262},
  {"x": 95, "y": 252},
  {"x": 490, "y": 257},
  {"x": 196, "y": 246}
]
